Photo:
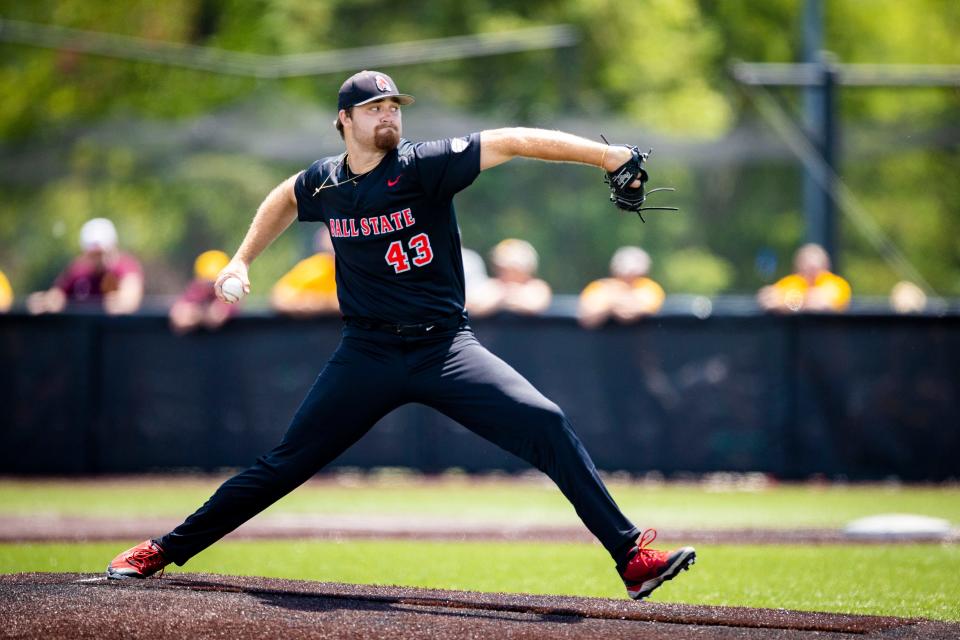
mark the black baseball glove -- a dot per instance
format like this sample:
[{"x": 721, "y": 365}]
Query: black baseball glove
[{"x": 632, "y": 198}]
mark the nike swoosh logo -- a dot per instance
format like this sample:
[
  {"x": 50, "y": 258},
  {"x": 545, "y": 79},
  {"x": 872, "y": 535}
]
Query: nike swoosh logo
[
  {"x": 430, "y": 327},
  {"x": 393, "y": 183}
]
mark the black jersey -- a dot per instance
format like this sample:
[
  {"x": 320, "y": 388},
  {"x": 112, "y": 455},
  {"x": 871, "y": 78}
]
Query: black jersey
[{"x": 394, "y": 229}]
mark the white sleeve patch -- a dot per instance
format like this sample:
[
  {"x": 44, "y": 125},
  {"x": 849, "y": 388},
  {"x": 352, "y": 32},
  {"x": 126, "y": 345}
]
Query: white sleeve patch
[{"x": 458, "y": 144}]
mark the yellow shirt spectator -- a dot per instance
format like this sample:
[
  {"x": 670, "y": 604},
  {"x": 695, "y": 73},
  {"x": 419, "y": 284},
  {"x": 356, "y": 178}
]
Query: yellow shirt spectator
[
  {"x": 812, "y": 286},
  {"x": 829, "y": 292},
  {"x": 624, "y": 301},
  {"x": 309, "y": 288},
  {"x": 647, "y": 290},
  {"x": 627, "y": 296},
  {"x": 6, "y": 293}
]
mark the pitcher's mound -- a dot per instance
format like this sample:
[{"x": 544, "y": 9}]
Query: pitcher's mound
[{"x": 198, "y": 605}]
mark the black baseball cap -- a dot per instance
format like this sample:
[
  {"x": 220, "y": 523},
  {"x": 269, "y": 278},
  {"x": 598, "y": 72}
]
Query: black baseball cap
[{"x": 367, "y": 86}]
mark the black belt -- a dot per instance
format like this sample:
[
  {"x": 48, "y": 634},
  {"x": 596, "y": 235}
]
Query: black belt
[{"x": 421, "y": 329}]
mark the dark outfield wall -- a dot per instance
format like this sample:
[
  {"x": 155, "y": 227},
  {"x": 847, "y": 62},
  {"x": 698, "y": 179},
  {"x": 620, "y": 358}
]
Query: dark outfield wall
[{"x": 860, "y": 396}]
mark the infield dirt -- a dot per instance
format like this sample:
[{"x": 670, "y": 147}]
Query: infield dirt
[
  {"x": 45, "y": 528},
  {"x": 196, "y": 605}
]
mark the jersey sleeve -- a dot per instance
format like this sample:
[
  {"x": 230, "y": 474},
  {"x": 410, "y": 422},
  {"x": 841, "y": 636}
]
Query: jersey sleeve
[
  {"x": 594, "y": 288},
  {"x": 127, "y": 265},
  {"x": 447, "y": 166},
  {"x": 837, "y": 290},
  {"x": 6, "y": 293},
  {"x": 308, "y": 206},
  {"x": 651, "y": 293}
]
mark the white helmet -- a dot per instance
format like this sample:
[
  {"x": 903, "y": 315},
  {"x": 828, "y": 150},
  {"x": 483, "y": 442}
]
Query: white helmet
[{"x": 98, "y": 233}]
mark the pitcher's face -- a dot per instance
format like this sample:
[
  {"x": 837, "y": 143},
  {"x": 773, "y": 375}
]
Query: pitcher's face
[{"x": 376, "y": 124}]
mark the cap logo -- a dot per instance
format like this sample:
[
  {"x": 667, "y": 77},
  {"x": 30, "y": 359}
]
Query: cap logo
[{"x": 382, "y": 83}]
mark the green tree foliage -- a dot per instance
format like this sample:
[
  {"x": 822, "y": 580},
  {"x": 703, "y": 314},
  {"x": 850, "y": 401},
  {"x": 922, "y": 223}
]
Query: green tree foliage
[
  {"x": 696, "y": 271},
  {"x": 657, "y": 65},
  {"x": 901, "y": 188}
]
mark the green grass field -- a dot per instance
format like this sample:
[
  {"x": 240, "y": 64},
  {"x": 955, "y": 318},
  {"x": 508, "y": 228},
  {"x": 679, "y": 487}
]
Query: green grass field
[
  {"x": 902, "y": 580},
  {"x": 651, "y": 504},
  {"x": 910, "y": 581}
]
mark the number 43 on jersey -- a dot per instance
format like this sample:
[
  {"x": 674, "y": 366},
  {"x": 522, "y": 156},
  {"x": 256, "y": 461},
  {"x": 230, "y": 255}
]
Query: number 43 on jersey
[{"x": 419, "y": 246}]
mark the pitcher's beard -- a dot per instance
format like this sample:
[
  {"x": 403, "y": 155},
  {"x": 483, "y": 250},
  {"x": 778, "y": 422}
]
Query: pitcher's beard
[{"x": 386, "y": 138}]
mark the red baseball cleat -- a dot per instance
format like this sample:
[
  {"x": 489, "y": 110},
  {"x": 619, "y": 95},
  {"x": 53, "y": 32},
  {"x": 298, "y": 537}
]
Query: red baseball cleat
[
  {"x": 647, "y": 568},
  {"x": 141, "y": 561}
]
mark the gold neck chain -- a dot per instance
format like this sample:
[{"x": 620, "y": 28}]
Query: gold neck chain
[{"x": 340, "y": 163}]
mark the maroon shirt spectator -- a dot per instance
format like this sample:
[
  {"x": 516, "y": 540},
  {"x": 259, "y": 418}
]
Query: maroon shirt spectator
[
  {"x": 102, "y": 276},
  {"x": 87, "y": 279},
  {"x": 198, "y": 306}
]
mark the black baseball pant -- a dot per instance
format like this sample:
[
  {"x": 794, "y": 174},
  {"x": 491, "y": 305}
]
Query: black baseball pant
[{"x": 372, "y": 373}]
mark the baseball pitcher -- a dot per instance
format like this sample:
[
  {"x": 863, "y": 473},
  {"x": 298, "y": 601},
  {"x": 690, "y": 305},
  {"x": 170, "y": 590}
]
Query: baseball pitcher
[{"x": 388, "y": 203}]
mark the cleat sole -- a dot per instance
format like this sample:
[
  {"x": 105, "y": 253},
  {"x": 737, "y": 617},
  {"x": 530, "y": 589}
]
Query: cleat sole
[
  {"x": 119, "y": 576},
  {"x": 114, "y": 574},
  {"x": 683, "y": 562}
]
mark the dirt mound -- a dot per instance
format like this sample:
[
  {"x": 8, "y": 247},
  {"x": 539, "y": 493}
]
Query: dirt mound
[{"x": 196, "y": 605}]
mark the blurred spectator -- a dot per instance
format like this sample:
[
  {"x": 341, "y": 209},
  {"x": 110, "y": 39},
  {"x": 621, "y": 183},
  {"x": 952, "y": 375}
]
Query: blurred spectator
[
  {"x": 514, "y": 286},
  {"x": 6, "y": 293},
  {"x": 102, "y": 276},
  {"x": 310, "y": 288},
  {"x": 811, "y": 288},
  {"x": 474, "y": 276},
  {"x": 626, "y": 296},
  {"x": 198, "y": 306},
  {"x": 907, "y": 297}
]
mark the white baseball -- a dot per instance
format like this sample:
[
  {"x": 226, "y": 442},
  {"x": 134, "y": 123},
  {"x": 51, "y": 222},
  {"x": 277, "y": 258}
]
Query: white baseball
[{"x": 232, "y": 289}]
